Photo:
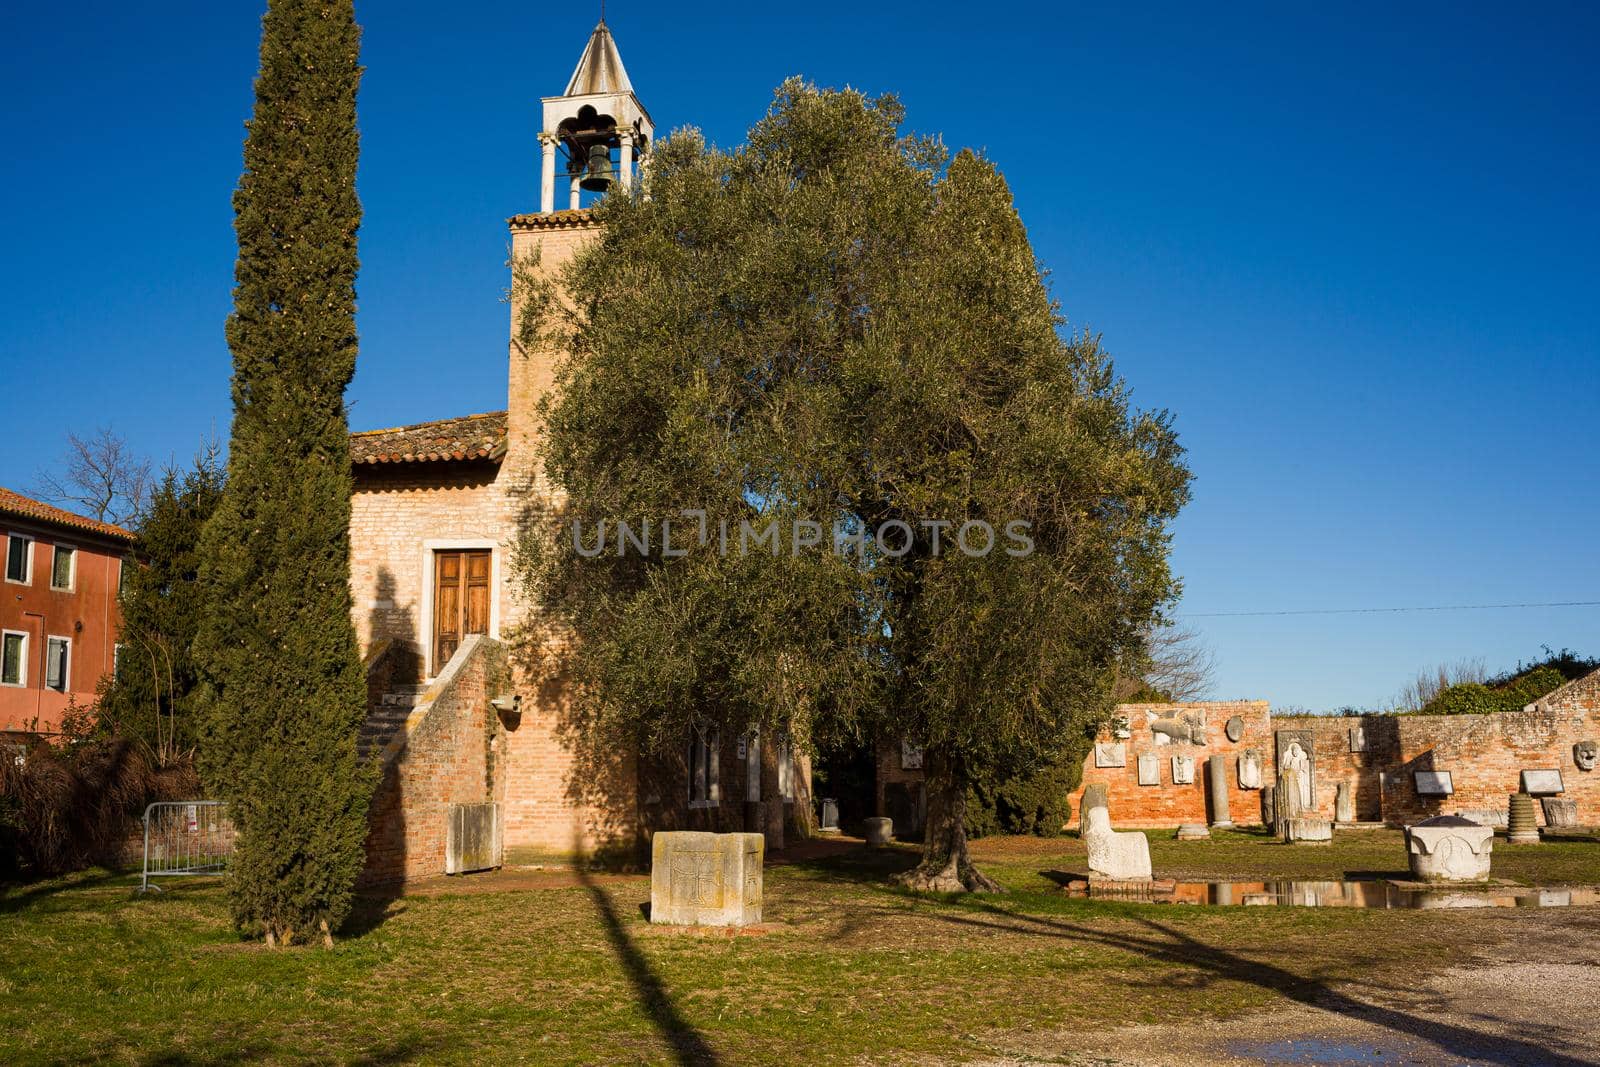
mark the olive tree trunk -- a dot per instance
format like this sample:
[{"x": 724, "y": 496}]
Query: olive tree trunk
[{"x": 946, "y": 866}]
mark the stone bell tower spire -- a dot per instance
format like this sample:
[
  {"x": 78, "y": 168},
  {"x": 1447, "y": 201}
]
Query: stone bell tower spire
[{"x": 596, "y": 116}]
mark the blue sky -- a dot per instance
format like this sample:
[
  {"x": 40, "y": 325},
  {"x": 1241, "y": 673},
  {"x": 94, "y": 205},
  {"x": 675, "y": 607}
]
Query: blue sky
[{"x": 1352, "y": 248}]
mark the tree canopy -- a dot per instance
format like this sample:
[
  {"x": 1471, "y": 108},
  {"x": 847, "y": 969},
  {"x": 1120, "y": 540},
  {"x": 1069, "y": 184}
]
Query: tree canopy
[{"x": 839, "y": 323}]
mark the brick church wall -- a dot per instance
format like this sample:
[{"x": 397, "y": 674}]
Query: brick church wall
[
  {"x": 395, "y": 512},
  {"x": 1167, "y": 804},
  {"x": 451, "y": 752}
]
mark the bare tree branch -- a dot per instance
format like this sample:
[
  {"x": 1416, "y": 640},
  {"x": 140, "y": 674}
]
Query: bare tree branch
[
  {"x": 1430, "y": 683},
  {"x": 101, "y": 477},
  {"x": 1176, "y": 664}
]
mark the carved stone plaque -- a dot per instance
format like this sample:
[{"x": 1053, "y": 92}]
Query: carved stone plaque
[
  {"x": 1358, "y": 739},
  {"x": 1111, "y": 754},
  {"x": 1433, "y": 783},
  {"x": 1182, "y": 770},
  {"x": 1250, "y": 769},
  {"x": 1542, "y": 783},
  {"x": 1149, "y": 769},
  {"x": 1234, "y": 728}
]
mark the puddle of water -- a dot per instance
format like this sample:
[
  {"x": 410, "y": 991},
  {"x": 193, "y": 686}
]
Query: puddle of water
[
  {"x": 1368, "y": 893},
  {"x": 1315, "y": 1050}
]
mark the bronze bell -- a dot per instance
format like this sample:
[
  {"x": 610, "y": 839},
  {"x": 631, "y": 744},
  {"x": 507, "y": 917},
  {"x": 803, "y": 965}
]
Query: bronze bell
[{"x": 598, "y": 179}]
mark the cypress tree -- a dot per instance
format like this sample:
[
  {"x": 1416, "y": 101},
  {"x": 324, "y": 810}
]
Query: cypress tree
[
  {"x": 283, "y": 689},
  {"x": 151, "y": 697}
]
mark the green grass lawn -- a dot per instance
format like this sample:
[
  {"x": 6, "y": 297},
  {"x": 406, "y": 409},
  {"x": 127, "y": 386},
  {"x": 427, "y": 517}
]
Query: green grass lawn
[{"x": 851, "y": 969}]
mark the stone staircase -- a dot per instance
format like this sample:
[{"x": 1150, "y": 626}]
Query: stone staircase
[{"x": 387, "y": 716}]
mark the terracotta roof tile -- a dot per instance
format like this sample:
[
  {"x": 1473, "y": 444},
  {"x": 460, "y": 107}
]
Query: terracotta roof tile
[
  {"x": 471, "y": 438},
  {"x": 14, "y": 503},
  {"x": 565, "y": 219}
]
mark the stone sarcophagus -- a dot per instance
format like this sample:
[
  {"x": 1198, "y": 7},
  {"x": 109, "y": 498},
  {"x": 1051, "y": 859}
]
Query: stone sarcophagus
[{"x": 706, "y": 879}]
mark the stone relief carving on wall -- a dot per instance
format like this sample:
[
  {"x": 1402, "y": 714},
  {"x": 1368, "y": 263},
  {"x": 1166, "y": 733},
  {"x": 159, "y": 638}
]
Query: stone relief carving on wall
[
  {"x": 1182, "y": 770},
  {"x": 1111, "y": 754},
  {"x": 1585, "y": 754},
  {"x": 1250, "y": 769},
  {"x": 1295, "y": 759},
  {"x": 1185, "y": 728}
]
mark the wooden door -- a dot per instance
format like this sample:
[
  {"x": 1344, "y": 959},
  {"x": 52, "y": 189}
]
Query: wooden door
[{"x": 460, "y": 600}]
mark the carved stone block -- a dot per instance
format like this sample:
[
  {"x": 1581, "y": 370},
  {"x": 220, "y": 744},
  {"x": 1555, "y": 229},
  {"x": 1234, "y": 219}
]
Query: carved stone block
[{"x": 706, "y": 879}]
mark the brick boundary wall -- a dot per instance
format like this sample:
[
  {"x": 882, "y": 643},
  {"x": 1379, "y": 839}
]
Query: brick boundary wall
[
  {"x": 1168, "y": 805},
  {"x": 1485, "y": 755}
]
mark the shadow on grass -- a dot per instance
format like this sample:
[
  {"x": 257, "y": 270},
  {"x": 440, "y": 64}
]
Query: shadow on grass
[
  {"x": 688, "y": 1045},
  {"x": 16, "y": 898},
  {"x": 851, "y": 862},
  {"x": 404, "y": 1050},
  {"x": 1166, "y": 944},
  {"x": 371, "y": 910}
]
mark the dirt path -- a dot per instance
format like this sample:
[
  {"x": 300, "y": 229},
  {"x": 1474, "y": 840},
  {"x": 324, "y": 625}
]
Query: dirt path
[{"x": 1530, "y": 997}]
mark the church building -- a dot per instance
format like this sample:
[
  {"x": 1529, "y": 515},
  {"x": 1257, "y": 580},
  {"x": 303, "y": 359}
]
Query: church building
[{"x": 470, "y": 748}]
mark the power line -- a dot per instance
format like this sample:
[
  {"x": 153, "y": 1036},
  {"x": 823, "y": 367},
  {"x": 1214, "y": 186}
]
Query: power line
[{"x": 1384, "y": 611}]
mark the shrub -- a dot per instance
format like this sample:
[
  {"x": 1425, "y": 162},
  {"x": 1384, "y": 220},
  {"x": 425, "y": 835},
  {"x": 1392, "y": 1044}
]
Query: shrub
[
  {"x": 1511, "y": 694},
  {"x": 1030, "y": 804},
  {"x": 64, "y": 808}
]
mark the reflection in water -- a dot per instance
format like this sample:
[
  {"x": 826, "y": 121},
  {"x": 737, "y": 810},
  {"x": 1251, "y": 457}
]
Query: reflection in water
[{"x": 1363, "y": 893}]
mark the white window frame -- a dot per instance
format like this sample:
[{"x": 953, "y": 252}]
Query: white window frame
[
  {"x": 22, "y": 673},
  {"x": 30, "y": 541},
  {"x": 72, "y": 577},
  {"x": 66, "y": 670},
  {"x": 430, "y": 547},
  {"x": 705, "y": 772}
]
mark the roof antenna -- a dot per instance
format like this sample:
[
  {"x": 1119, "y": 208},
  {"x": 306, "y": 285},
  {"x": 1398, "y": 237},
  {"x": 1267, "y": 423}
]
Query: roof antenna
[{"x": 602, "y": 12}]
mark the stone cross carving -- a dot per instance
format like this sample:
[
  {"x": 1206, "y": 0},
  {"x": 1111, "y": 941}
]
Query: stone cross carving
[{"x": 706, "y": 879}]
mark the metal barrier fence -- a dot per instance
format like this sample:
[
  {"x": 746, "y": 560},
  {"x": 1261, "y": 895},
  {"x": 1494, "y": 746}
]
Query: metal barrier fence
[{"x": 185, "y": 837}]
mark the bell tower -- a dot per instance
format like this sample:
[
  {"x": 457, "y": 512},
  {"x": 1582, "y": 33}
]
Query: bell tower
[
  {"x": 598, "y": 116},
  {"x": 600, "y": 134}
]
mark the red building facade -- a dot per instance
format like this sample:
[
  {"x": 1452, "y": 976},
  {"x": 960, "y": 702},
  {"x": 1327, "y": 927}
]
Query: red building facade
[{"x": 58, "y": 610}]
